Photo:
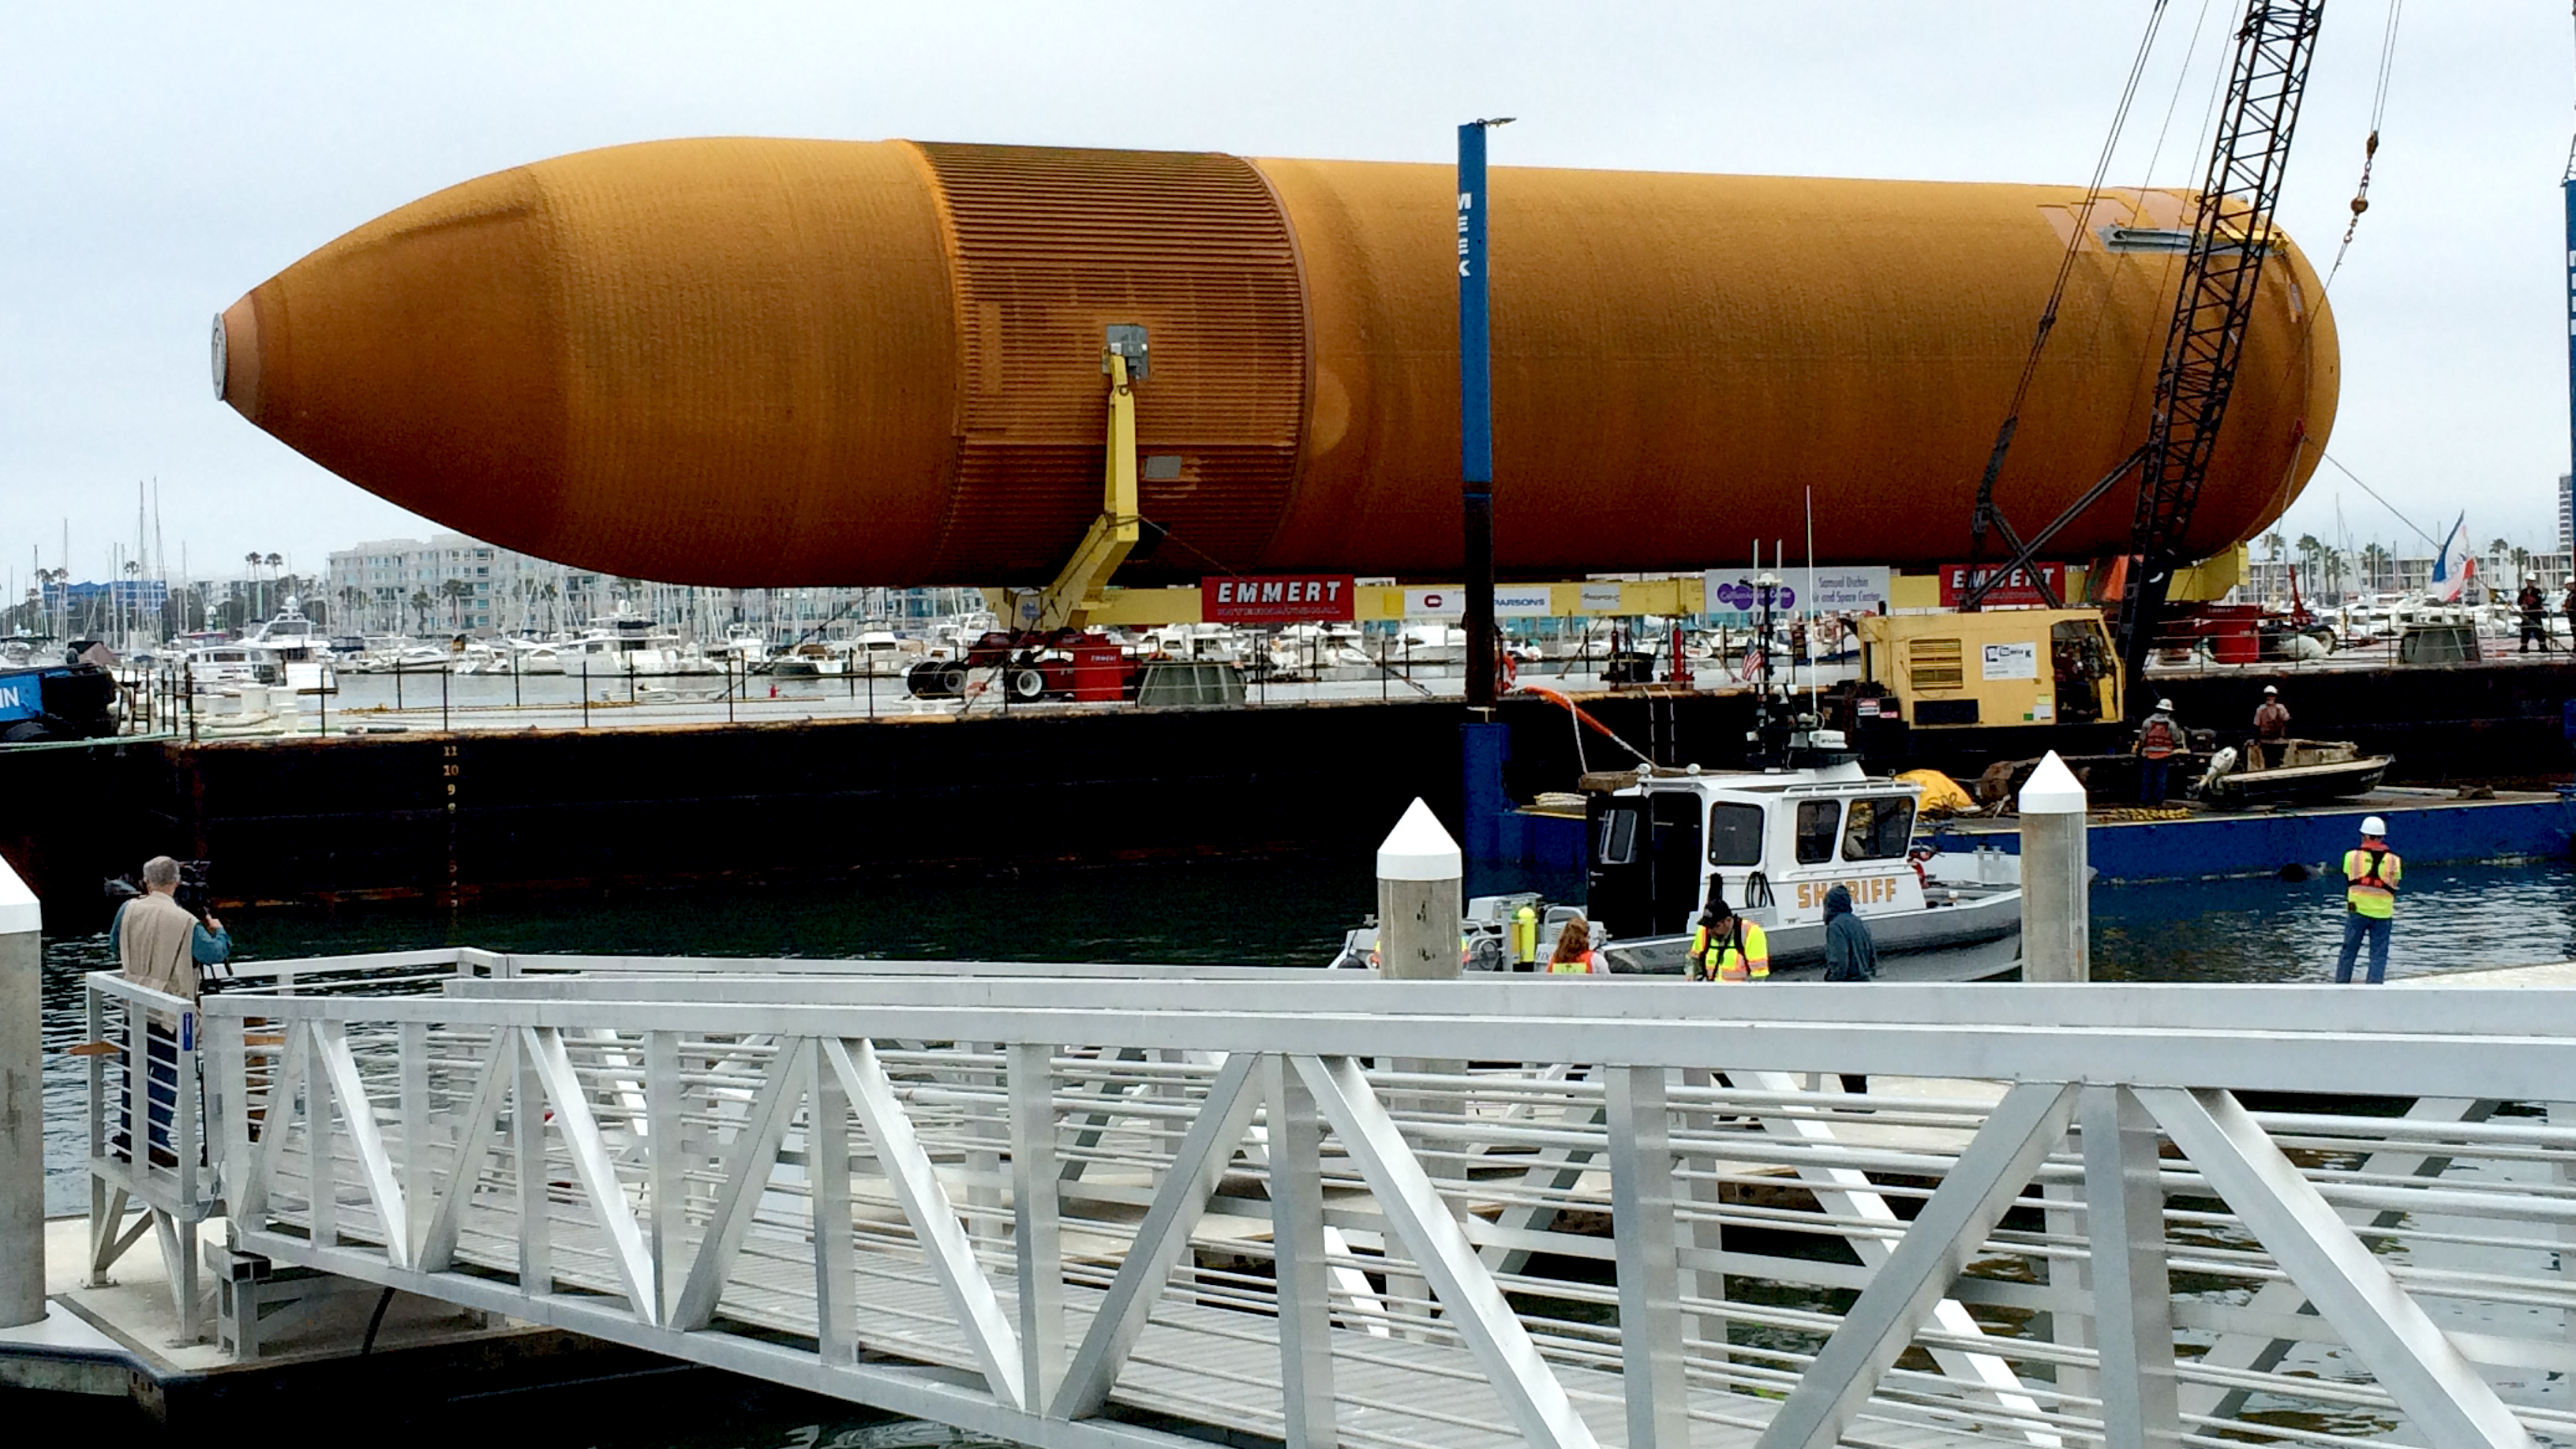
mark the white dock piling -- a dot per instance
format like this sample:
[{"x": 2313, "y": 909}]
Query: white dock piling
[
  {"x": 2056, "y": 909},
  {"x": 1419, "y": 870},
  {"x": 22, "y": 1106}
]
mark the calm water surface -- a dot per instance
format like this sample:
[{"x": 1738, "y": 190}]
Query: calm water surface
[{"x": 1289, "y": 911}]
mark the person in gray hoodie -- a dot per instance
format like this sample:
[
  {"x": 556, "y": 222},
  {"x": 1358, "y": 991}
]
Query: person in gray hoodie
[{"x": 1850, "y": 955}]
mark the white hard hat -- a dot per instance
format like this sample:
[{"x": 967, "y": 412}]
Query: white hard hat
[
  {"x": 2164, "y": 704},
  {"x": 2271, "y": 689},
  {"x": 2374, "y": 826}
]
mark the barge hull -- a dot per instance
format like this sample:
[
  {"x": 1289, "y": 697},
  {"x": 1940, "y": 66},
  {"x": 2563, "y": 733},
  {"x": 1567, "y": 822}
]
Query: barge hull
[{"x": 2425, "y": 827}]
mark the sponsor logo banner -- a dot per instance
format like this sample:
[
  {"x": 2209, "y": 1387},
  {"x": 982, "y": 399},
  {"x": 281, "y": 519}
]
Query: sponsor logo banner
[
  {"x": 1744, "y": 598},
  {"x": 1527, "y": 601},
  {"x": 1443, "y": 603},
  {"x": 1285, "y": 599},
  {"x": 1601, "y": 598},
  {"x": 2021, "y": 587},
  {"x": 1848, "y": 591}
]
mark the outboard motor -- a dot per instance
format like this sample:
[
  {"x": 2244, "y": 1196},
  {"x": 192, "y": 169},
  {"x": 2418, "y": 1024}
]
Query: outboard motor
[{"x": 2221, "y": 765}]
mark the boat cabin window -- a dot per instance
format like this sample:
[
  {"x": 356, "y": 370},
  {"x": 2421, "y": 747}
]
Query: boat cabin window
[
  {"x": 1734, "y": 834},
  {"x": 1816, "y": 822},
  {"x": 1879, "y": 828},
  {"x": 1618, "y": 844}
]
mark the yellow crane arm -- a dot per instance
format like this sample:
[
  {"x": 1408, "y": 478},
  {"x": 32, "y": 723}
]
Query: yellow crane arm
[{"x": 1106, "y": 543}]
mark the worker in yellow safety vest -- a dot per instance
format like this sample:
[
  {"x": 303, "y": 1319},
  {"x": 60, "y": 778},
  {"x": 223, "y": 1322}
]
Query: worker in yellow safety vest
[
  {"x": 1525, "y": 938},
  {"x": 2370, "y": 877},
  {"x": 1727, "y": 947}
]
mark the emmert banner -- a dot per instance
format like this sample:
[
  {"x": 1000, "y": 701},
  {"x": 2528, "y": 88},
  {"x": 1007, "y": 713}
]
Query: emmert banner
[{"x": 1289, "y": 599}]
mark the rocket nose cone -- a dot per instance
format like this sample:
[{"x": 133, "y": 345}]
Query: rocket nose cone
[
  {"x": 419, "y": 357},
  {"x": 237, "y": 358}
]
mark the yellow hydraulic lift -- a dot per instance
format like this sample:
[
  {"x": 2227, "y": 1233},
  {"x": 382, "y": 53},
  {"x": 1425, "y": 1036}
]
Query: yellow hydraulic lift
[{"x": 1080, "y": 587}]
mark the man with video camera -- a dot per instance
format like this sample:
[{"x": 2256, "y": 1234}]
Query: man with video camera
[{"x": 159, "y": 942}]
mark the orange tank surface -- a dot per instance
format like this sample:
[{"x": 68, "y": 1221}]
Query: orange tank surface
[{"x": 765, "y": 362}]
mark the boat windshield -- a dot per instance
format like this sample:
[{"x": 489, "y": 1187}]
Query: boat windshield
[{"x": 1880, "y": 827}]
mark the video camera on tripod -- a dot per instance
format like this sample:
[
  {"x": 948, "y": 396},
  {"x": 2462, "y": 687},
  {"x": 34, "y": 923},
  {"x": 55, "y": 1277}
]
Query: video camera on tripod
[{"x": 192, "y": 892}]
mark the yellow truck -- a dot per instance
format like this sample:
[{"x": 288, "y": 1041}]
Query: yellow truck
[{"x": 2000, "y": 667}]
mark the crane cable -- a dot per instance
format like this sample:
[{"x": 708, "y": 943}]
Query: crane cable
[
  {"x": 2065, "y": 268},
  {"x": 2370, "y": 147},
  {"x": 2308, "y": 326}
]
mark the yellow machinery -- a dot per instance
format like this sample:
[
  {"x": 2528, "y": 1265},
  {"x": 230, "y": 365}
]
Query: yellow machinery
[
  {"x": 1997, "y": 667},
  {"x": 1079, "y": 589}
]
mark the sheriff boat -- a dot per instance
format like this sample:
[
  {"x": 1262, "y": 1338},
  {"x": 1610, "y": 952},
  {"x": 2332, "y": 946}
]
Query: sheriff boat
[{"x": 1771, "y": 842}]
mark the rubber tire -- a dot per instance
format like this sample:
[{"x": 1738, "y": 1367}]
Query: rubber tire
[{"x": 1027, "y": 686}]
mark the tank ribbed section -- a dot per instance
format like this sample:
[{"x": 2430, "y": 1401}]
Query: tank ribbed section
[{"x": 1051, "y": 247}]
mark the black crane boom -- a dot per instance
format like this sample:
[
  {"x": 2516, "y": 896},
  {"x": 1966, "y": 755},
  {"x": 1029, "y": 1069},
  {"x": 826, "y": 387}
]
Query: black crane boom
[{"x": 2230, "y": 237}]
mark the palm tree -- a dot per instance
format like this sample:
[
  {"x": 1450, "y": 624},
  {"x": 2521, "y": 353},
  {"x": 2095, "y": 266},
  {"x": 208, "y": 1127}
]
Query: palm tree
[
  {"x": 548, "y": 592},
  {"x": 2273, "y": 542},
  {"x": 421, "y": 604},
  {"x": 2374, "y": 567},
  {"x": 350, "y": 597},
  {"x": 456, "y": 591}
]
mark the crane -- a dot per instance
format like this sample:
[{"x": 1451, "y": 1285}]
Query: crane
[{"x": 2229, "y": 241}]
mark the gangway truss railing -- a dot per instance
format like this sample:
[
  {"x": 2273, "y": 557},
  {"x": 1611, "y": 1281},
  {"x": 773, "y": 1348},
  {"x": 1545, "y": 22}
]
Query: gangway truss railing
[{"x": 1093, "y": 1211}]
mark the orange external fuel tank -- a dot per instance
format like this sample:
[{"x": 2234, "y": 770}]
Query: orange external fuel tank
[{"x": 768, "y": 362}]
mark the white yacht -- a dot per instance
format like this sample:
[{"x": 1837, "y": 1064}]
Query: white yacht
[
  {"x": 879, "y": 653},
  {"x": 297, "y": 653},
  {"x": 621, "y": 643},
  {"x": 212, "y": 667}
]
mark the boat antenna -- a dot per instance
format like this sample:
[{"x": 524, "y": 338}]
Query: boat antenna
[
  {"x": 1811, "y": 598},
  {"x": 1779, "y": 561}
]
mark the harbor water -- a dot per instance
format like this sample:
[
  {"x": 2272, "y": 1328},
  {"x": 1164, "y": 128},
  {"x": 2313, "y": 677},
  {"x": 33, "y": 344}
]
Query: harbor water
[{"x": 1285, "y": 911}]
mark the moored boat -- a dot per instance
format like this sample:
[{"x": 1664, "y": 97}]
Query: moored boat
[
  {"x": 1772, "y": 842},
  {"x": 2308, "y": 770},
  {"x": 1666, "y": 840}
]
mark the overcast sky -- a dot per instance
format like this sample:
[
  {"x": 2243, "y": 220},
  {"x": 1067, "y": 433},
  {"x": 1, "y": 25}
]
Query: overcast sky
[{"x": 158, "y": 161}]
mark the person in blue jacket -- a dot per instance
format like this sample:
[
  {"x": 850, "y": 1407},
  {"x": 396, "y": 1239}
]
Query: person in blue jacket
[{"x": 1850, "y": 955}]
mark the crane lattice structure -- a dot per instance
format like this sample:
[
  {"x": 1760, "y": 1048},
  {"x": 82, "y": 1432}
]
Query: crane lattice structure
[{"x": 2230, "y": 238}]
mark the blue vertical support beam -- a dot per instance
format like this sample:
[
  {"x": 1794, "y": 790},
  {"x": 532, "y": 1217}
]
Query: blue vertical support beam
[
  {"x": 2567, "y": 189},
  {"x": 1476, "y": 414},
  {"x": 1495, "y": 833},
  {"x": 1484, "y": 744}
]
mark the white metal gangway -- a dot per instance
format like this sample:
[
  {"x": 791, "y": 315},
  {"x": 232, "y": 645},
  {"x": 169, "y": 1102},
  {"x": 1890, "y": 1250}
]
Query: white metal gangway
[{"x": 1099, "y": 1211}]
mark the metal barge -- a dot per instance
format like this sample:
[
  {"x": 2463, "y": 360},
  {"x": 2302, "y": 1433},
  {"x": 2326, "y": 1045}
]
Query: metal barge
[{"x": 2427, "y": 826}]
